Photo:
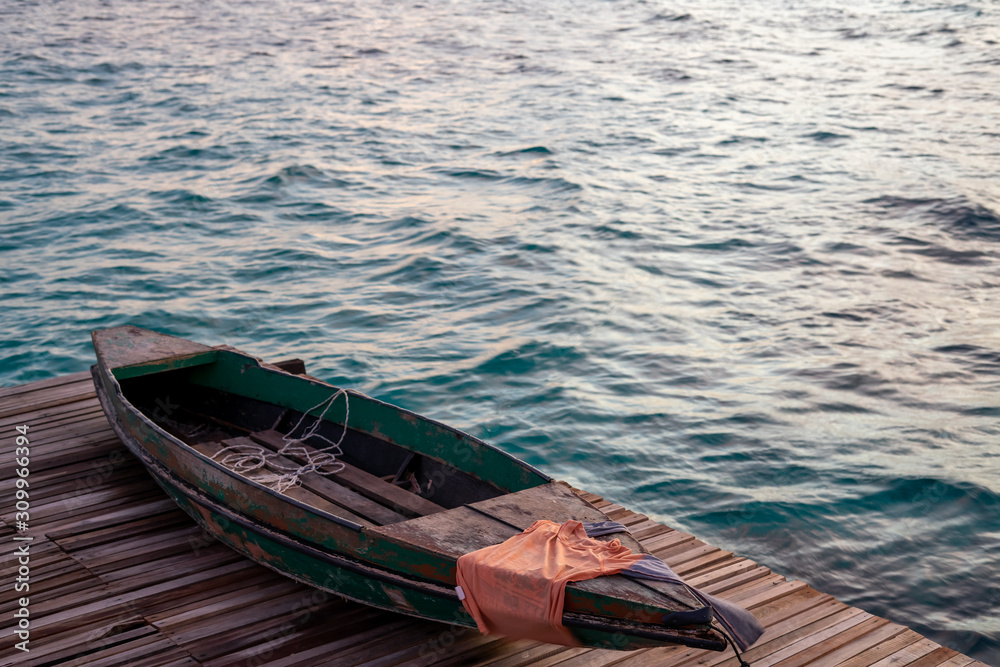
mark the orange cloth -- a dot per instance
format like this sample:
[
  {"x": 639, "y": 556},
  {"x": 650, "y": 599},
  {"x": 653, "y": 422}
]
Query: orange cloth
[{"x": 518, "y": 588}]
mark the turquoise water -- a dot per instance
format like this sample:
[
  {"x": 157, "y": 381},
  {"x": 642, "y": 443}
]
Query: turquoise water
[{"x": 731, "y": 264}]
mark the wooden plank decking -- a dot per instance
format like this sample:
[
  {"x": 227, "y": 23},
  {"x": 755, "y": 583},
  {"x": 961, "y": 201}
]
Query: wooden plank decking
[{"x": 120, "y": 576}]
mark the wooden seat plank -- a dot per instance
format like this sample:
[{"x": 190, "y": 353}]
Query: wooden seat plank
[
  {"x": 319, "y": 491},
  {"x": 362, "y": 482}
]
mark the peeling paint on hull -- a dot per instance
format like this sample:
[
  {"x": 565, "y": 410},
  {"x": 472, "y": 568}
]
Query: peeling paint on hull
[{"x": 312, "y": 546}]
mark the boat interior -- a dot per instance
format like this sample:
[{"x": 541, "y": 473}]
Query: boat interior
[{"x": 381, "y": 483}]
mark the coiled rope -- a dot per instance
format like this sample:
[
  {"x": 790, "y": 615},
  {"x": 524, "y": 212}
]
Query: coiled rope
[{"x": 245, "y": 459}]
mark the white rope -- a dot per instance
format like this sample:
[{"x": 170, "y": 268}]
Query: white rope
[{"x": 245, "y": 459}]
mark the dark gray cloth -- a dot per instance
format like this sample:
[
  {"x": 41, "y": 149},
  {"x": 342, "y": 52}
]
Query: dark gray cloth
[
  {"x": 739, "y": 623},
  {"x": 599, "y": 528}
]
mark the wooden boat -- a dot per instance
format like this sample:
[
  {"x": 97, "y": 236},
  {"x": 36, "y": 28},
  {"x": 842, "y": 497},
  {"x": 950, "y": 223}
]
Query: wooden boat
[{"x": 175, "y": 404}]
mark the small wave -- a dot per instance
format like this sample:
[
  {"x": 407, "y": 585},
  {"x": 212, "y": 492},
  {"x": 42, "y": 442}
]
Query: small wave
[
  {"x": 851, "y": 33},
  {"x": 671, "y": 152},
  {"x": 296, "y": 173},
  {"x": 551, "y": 184},
  {"x": 928, "y": 497},
  {"x": 854, "y": 249},
  {"x": 902, "y": 275},
  {"x": 851, "y": 317},
  {"x": 969, "y": 218},
  {"x": 530, "y": 150},
  {"x": 848, "y": 377},
  {"x": 735, "y": 243},
  {"x": 24, "y": 58},
  {"x": 613, "y": 230},
  {"x": 419, "y": 270},
  {"x": 846, "y": 408},
  {"x": 471, "y": 174},
  {"x": 766, "y": 520},
  {"x": 408, "y": 222},
  {"x": 672, "y": 74},
  {"x": 742, "y": 140},
  {"x": 113, "y": 221},
  {"x": 960, "y": 257},
  {"x": 958, "y": 214},
  {"x": 750, "y": 185},
  {"x": 904, "y": 87},
  {"x": 669, "y": 17},
  {"x": 529, "y": 357},
  {"x": 115, "y": 68},
  {"x": 312, "y": 212},
  {"x": 182, "y": 197},
  {"x": 265, "y": 189},
  {"x": 283, "y": 263},
  {"x": 825, "y": 137},
  {"x": 678, "y": 487},
  {"x": 179, "y": 158},
  {"x": 978, "y": 359}
]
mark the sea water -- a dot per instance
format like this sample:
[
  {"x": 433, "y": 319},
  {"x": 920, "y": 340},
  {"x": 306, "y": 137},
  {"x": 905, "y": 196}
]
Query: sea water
[{"x": 731, "y": 264}]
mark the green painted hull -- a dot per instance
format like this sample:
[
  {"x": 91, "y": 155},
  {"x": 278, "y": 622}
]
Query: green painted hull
[{"x": 374, "y": 565}]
